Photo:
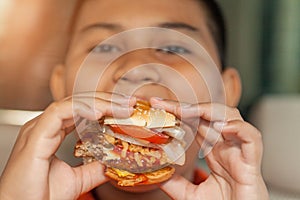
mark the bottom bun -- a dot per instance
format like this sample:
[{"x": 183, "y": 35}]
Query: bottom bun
[{"x": 125, "y": 178}]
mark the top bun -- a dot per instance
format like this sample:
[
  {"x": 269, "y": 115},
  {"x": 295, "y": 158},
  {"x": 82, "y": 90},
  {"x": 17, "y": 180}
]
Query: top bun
[{"x": 145, "y": 116}]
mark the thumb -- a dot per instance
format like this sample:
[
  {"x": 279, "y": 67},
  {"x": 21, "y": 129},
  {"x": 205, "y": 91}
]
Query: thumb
[
  {"x": 91, "y": 176},
  {"x": 179, "y": 188}
]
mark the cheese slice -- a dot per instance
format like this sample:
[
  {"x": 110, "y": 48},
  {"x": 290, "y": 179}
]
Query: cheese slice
[{"x": 152, "y": 118}]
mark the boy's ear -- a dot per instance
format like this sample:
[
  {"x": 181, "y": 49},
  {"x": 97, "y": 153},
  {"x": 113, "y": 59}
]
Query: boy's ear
[
  {"x": 233, "y": 86},
  {"x": 57, "y": 84}
]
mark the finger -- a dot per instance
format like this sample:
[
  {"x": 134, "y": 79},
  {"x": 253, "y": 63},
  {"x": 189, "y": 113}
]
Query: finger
[
  {"x": 168, "y": 105},
  {"x": 207, "y": 131},
  {"x": 56, "y": 113},
  {"x": 245, "y": 136},
  {"x": 91, "y": 176},
  {"x": 204, "y": 147},
  {"x": 70, "y": 124},
  {"x": 48, "y": 132},
  {"x": 24, "y": 133},
  {"x": 54, "y": 124},
  {"x": 207, "y": 137},
  {"x": 179, "y": 188},
  {"x": 104, "y": 108},
  {"x": 174, "y": 107},
  {"x": 112, "y": 97},
  {"x": 96, "y": 99},
  {"x": 29, "y": 125},
  {"x": 207, "y": 111},
  {"x": 66, "y": 182}
]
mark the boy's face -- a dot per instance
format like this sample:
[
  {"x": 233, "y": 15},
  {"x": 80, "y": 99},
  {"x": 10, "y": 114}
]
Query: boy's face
[{"x": 100, "y": 19}]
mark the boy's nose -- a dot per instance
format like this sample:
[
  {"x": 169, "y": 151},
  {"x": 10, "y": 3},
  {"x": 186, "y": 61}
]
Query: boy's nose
[
  {"x": 136, "y": 69},
  {"x": 140, "y": 75}
]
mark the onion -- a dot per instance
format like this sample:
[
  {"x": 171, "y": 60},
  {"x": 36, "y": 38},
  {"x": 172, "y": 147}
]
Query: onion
[
  {"x": 174, "y": 151},
  {"x": 175, "y": 132},
  {"x": 130, "y": 139}
]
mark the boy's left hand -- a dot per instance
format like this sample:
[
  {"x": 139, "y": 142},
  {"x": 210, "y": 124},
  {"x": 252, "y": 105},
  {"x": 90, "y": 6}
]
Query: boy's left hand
[{"x": 234, "y": 158}]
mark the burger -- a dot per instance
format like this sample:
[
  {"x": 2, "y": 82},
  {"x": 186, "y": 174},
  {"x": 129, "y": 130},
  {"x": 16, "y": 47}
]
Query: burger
[{"x": 140, "y": 150}]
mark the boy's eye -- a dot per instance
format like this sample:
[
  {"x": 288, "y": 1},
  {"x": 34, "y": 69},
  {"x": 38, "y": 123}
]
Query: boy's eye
[
  {"x": 106, "y": 48},
  {"x": 174, "y": 49}
]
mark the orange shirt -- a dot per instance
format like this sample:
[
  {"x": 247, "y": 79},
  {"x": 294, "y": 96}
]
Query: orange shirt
[{"x": 199, "y": 176}]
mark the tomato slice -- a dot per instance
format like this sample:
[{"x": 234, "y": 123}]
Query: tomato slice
[
  {"x": 158, "y": 138},
  {"x": 141, "y": 133}
]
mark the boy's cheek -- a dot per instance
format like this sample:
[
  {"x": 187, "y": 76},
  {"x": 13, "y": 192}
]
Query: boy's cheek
[{"x": 92, "y": 76}]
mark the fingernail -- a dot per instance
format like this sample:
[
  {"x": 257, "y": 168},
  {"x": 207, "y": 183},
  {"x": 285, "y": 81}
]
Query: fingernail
[
  {"x": 185, "y": 105},
  {"x": 125, "y": 105},
  {"x": 157, "y": 106},
  {"x": 158, "y": 98},
  {"x": 201, "y": 154},
  {"x": 127, "y": 96},
  {"x": 117, "y": 95},
  {"x": 219, "y": 125},
  {"x": 124, "y": 108},
  {"x": 97, "y": 113}
]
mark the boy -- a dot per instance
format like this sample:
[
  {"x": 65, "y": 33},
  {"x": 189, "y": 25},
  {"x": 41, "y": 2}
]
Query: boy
[{"x": 34, "y": 172}]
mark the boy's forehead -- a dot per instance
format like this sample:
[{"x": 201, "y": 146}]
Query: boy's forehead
[{"x": 138, "y": 13}]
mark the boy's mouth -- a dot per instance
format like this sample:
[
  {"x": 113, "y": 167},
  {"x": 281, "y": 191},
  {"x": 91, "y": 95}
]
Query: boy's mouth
[{"x": 153, "y": 90}]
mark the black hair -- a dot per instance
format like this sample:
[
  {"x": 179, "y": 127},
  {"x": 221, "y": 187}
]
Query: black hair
[{"x": 216, "y": 24}]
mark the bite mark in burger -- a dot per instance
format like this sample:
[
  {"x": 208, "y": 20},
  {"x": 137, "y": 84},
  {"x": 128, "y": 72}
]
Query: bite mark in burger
[{"x": 139, "y": 150}]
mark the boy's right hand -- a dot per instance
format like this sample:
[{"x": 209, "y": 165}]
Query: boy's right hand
[
  {"x": 234, "y": 156},
  {"x": 34, "y": 172}
]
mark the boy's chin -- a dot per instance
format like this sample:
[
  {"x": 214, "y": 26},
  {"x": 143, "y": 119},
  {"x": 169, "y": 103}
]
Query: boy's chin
[{"x": 137, "y": 188}]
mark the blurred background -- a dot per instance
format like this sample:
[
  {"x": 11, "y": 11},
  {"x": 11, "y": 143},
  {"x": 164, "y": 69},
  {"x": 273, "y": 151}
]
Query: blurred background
[{"x": 263, "y": 44}]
